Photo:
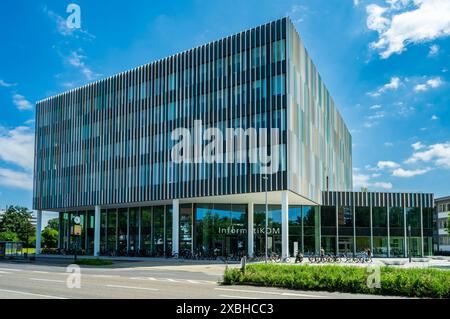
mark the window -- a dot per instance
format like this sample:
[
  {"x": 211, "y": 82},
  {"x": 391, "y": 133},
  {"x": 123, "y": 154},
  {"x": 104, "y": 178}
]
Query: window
[
  {"x": 278, "y": 85},
  {"x": 258, "y": 56},
  {"x": 259, "y": 88},
  {"x": 172, "y": 82},
  {"x": 278, "y": 52}
]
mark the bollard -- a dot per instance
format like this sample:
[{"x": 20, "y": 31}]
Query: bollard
[{"x": 243, "y": 263}]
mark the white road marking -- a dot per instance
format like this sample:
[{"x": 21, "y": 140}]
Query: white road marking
[
  {"x": 4, "y": 272},
  {"x": 9, "y": 269},
  {"x": 171, "y": 280},
  {"x": 104, "y": 276},
  {"x": 237, "y": 297},
  {"x": 40, "y": 272},
  {"x": 270, "y": 292},
  {"x": 193, "y": 282},
  {"x": 31, "y": 294},
  {"x": 130, "y": 287},
  {"x": 49, "y": 280}
]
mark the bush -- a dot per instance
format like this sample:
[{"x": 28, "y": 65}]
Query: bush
[
  {"x": 93, "y": 262},
  {"x": 431, "y": 283}
]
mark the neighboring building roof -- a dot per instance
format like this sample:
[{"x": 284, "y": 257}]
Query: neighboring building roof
[{"x": 442, "y": 199}]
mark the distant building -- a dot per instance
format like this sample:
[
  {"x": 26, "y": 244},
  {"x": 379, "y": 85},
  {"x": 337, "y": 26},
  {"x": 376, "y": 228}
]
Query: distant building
[{"x": 442, "y": 238}]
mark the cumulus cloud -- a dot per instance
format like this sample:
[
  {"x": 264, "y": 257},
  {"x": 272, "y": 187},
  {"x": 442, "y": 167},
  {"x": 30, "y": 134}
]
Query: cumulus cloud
[
  {"x": 417, "y": 146},
  {"x": 16, "y": 179},
  {"x": 406, "y": 22},
  {"x": 393, "y": 84},
  {"x": 387, "y": 164},
  {"x": 362, "y": 180},
  {"x": 17, "y": 146},
  {"x": 431, "y": 83},
  {"x": 17, "y": 149},
  {"x": 400, "y": 172},
  {"x": 21, "y": 102},
  {"x": 434, "y": 50},
  {"x": 434, "y": 118},
  {"x": 437, "y": 154}
]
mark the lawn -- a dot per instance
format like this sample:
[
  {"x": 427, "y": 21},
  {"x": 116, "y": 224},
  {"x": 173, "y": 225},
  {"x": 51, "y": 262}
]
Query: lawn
[{"x": 432, "y": 283}]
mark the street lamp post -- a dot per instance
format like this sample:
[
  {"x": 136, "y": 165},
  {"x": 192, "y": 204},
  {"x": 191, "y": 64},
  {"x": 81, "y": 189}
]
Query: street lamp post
[{"x": 267, "y": 222}]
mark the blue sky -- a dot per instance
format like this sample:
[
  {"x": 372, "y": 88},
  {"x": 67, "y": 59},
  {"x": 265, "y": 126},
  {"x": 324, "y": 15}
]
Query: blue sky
[{"x": 386, "y": 63}]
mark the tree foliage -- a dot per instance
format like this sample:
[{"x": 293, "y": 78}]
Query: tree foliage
[
  {"x": 49, "y": 237},
  {"x": 8, "y": 236},
  {"x": 17, "y": 220},
  {"x": 53, "y": 223}
]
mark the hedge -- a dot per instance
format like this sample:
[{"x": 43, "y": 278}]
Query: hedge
[{"x": 411, "y": 282}]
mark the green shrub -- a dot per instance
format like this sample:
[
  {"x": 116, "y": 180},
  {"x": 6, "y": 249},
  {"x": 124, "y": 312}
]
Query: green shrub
[
  {"x": 93, "y": 262},
  {"x": 431, "y": 283}
]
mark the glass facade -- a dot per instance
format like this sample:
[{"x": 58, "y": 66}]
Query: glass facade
[{"x": 221, "y": 229}]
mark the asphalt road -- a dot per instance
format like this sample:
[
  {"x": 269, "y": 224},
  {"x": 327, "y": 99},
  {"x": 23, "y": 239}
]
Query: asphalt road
[{"x": 148, "y": 280}]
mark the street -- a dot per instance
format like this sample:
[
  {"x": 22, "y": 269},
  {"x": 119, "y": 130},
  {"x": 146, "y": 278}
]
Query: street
[{"x": 137, "y": 280}]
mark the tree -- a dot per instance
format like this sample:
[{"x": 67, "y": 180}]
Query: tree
[
  {"x": 8, "y": 236},
  {"x": 49, "y": 237},
  {"x": 17, "y": 220},
  {"x": 53, "y": 223}
]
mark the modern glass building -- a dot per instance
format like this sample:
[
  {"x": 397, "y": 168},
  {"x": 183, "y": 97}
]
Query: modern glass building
[{"x": 105, "y": 152}]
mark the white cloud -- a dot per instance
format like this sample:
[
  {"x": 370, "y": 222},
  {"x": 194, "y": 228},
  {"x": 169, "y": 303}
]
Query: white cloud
[
  {"x": 76, "y": 59},
  {"x": 417, "y": 146},
  {"x": 362, "y": 180},
  {"x": 426, "y": 21},
  {"x": 400, "y": 172},
  {"x": 431, "y": 83},
  {"x": 15, "y": 179},
  {"x": 17, "y": 146},
  {"x": 388, "y": 144},
  {"x": 393, "y": 84},
  {"x": 6, "y": 85},
  {"x": 437, "y": 154},
  {"x": 376, "y": 107},
  {"x": 383, "y": 185},
  {"x": 387, "y": 164},
  {"x": 375, "y": 20},
  {"x": 376, "y": 116},
  {"x": 298, "y": 13},
  {"x": 434, "y": 50},
  {"x": 21, "y": 102},
  {"x": 434, "y": 118},
  {"x": 356, "y": 3},
  {"x": 434, "y": 82},
  {"x": 420, "y": 88}
]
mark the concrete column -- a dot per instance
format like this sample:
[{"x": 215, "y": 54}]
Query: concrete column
[
  {"x": 422, "y": 253},
  {"x": 97, "y": 231},
  {"x": 139, "y": 228},
  {"x": 38, "y": 231},
  {"x": 371, "y": 228},
  {"x": 406, "y": 244},
  {"x": 175, "y": 225},
  {"x": 250, "y": 232},
  {"x": 388, "y": 233},
  {"x": 284, "y": 225}
]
